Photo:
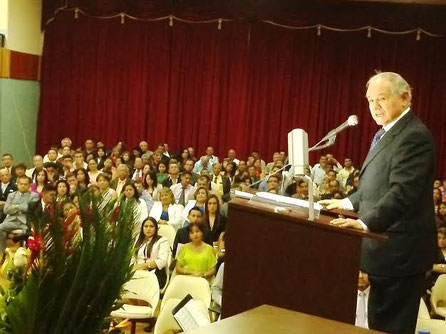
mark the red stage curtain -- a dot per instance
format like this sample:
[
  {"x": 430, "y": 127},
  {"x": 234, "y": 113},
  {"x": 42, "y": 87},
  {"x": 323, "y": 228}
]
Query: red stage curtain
[{"x": 244, "y": 86}]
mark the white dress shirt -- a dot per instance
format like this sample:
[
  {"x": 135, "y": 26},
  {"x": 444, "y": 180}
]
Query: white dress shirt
[
  {"x": 362, "y": 308},
  {"x": 177, "y": 190}
]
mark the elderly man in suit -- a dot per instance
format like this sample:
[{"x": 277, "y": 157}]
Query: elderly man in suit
[
  {"x": 16, "y": 207},
  {"x": 6, "y": 187},
  {"x": 394, "y": 199},
  {"x": 122, "y": 180}
]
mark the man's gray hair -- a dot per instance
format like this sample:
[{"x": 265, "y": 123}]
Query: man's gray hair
[{"x": 397, "y": 82}]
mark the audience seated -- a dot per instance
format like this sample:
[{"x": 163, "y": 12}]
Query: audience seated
[
  {"x": 200, "y": 197},
  {"x": 183, "y": 190},
  {"x": 123, "y": 179},
  {"x": 196, "y": 258},
  {"x": 166, "y": 211},
  {"x": 41, "y": 180},
  {"x": 213, "y": 219},
  {"x": 182, "y": 237},
  {"x": 222, "y": 184},
  {"x": 137, "y": 175},
  {"x": 217, "y": 286},
  {"x": 107, "y": 194},
  {"x": 152, "y": 251},
  {"x": 362, "y": 300},
  {"x": 6, "y": 187},
  {"x": 174, "y": 175},
  {"x": 131, "y": 196}
]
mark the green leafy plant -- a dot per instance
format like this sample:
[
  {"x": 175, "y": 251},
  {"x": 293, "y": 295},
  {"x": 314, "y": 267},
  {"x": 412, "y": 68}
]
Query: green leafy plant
[{"x": 76, "y": 274}]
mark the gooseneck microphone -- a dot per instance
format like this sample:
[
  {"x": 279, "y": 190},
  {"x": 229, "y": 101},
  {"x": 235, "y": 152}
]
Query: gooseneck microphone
[{"x": 330, "y": 137}]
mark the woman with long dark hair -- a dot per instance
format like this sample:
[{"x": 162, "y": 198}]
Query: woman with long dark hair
[
  {"x": 213, "y": 218},
  {"x": 152, "y": 250},
  {"x": 41, "y": 180}
]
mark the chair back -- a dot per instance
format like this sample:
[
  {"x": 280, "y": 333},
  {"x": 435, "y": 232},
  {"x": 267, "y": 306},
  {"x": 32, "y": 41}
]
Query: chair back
[
  {"x": 438, "y": 292},
  {"x": 434, "y": 326},
  {"x": 168, "y": 232},
  {"x": 423, "y": 312},
  {"x": 182, "y": 285},
  {"x": 143, "y": 286}
]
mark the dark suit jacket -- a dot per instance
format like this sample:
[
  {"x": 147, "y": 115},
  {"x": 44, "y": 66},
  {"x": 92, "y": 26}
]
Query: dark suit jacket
[
  {"x": 35, "y": 211},
  {"x": 9, "y": 189},
  {"x": 226, "y": 187},
  {"x": 395, "y": 199}
]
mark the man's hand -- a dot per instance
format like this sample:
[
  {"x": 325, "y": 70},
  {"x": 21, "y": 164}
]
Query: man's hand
[
  {"x": 347, "y": 222},
  {"x": 332, "y": 204}
]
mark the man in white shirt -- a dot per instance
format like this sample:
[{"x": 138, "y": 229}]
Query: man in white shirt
[
  {"x": 52, "y": 155},
  {"x": 362, "y": 301},
  {"x": 137, "y": 174},
  {"x": 7, "y": 162},
  {"x": 203, "y": 163},
  {"x": 37, "y": 163},
  {"x": 231, "y": 156},
  {"x": 123, "y": 178},
  {"x": 345, "y": 172},
  {"x": 183, "y": 190},
  {"x": 318, "y": 170},
  {"x": 210, "y": 154}
]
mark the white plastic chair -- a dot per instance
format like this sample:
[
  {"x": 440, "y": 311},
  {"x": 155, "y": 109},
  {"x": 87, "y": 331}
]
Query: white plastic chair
[
  {"x": 434, "y": 326},
  {"x": 166, "y": 321},
  {"x": 438, "y": 296},
  {"x": 182, "y": 285},
  {"x": 423, "y": 312},
  {"x": 143, "y": 286},
  {"x": 168, "y": 232}
]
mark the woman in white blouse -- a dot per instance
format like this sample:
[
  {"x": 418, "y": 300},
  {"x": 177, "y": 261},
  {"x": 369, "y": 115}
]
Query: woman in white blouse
[
  {"x": 166, "y": 211},
  {"x": 152, "y": 251},
  {"x": 200, "y": 198}
]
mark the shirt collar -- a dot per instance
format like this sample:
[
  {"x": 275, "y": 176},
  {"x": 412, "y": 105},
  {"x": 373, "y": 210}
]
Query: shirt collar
[{"x": 388, "y": 126}]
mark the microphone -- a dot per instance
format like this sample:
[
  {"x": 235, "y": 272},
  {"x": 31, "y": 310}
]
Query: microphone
[{"x": 351, "y": 121}]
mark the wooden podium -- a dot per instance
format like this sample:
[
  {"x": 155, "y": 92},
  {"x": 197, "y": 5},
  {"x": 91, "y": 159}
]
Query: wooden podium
[{"x": 280, "y": 258}]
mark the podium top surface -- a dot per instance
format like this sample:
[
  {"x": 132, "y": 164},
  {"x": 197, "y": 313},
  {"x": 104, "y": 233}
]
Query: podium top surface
[
  {"x": 294, "y": 215},
  {"x": 268, "y": 319}
]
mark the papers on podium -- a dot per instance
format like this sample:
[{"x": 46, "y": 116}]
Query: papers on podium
[
  {"x": 189, "y": 315},
  {"x": 280, "y": 201}
]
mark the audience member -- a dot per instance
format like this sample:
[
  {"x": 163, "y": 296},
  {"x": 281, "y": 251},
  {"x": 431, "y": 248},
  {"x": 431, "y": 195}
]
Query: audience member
[
  {"x": 108, "y": 195},
  {"x": 152, "y": 186},
  {"x": 83, "y": 179},
  {"x": 213, "y": 219},
  {"x": 195, "y": 216},
  {"x": 131, "y": 197},
  {"x": 62, "y": 191},
  {"x": 183, "y": 190},
  {"x": 152, "y": 251},
  {"x": 6, "y": 187},
  {"x": 196, "y": 258},
  {"x": 166, "y": 211},
  {"x": 222, "y": 183},
  {"x": 144, "y": 195},
  {"x": 123, "y": 179},
  {"x": 174, "y": 175},
  {"x": 41, "y": 180},
  {"x": 37, "y": 163},
  {"x": 15, "y": 208},
  {"x": 362, "y": 300}
]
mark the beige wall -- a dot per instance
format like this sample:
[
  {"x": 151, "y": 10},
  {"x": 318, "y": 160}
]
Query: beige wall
[{"x": 23, "y": 26}]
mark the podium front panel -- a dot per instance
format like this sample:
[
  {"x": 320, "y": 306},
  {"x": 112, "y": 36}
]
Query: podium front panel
[{"x": 289, "y": 262}]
